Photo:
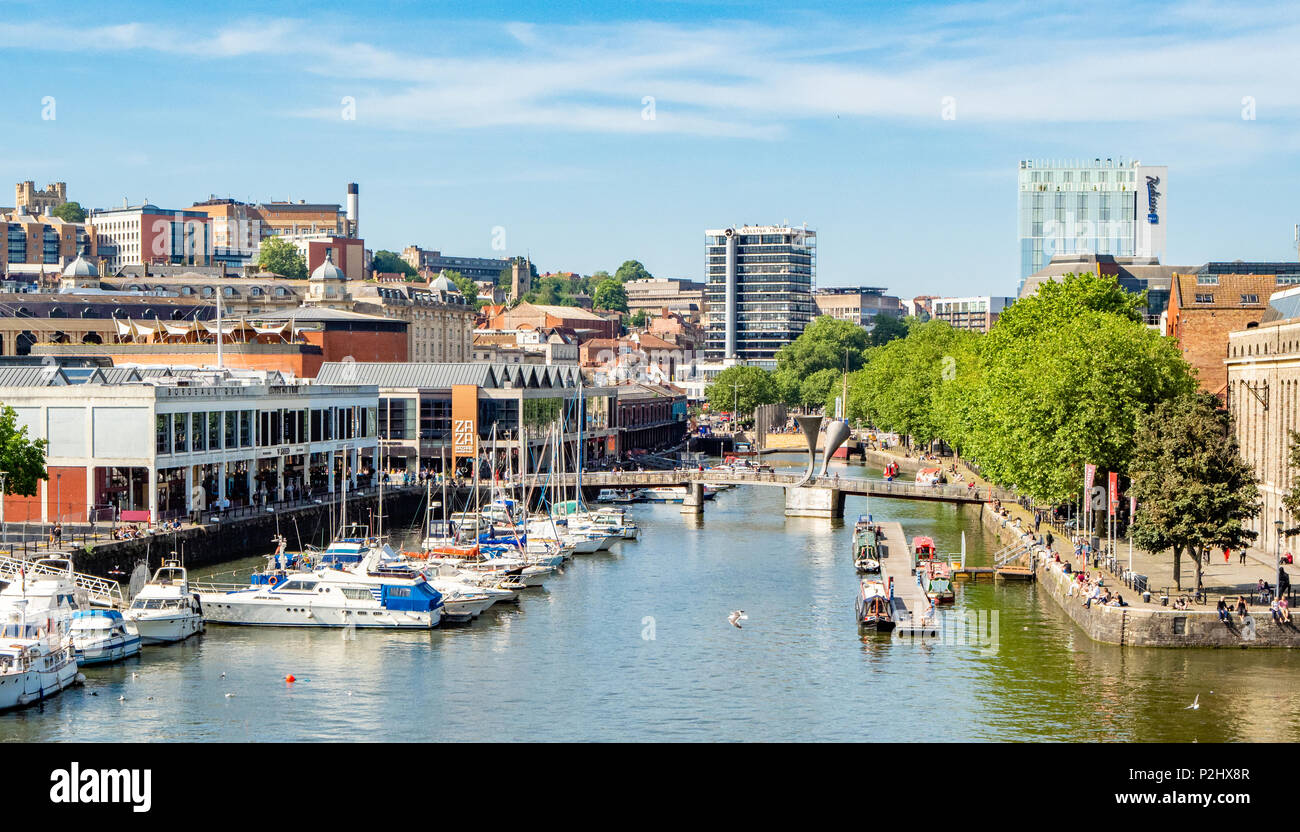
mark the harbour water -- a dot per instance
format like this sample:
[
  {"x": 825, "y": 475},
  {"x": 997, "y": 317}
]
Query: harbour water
[{"x": 634, "y": 645}]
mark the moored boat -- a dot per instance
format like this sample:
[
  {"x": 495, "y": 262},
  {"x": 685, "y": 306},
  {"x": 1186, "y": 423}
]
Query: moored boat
[
  {"x": 874, "y": 608},
  {"x": 101, "y": 637},
  {"x": 165, "y": 610},
  {"x": 35, "y": 663},
  {"x": 866, "y": 545},
  {"x": 932, "y": 572}
]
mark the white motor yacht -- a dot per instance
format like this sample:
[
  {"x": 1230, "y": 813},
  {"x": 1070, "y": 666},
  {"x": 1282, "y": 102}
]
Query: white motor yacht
[
  {"x": 34, "y": 663},
  {"x": 327, "y": 598},
  {"x": 101, "y": 637},
  {"x": 165, "y": 610}
]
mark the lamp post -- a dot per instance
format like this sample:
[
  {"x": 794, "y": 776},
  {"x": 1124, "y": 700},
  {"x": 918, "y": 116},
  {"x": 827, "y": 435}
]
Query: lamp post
[
  {"x": 4, "y": 535},
  {"x": 1277, "y": 525}
]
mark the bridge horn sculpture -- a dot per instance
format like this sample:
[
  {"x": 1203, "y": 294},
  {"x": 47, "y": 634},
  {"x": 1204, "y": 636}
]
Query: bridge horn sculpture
[{"x": 836, "y": 435}]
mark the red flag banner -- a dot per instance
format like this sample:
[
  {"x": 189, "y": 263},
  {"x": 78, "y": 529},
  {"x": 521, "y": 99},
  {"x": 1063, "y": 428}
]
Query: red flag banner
[{"x": 1114, "y": 492}]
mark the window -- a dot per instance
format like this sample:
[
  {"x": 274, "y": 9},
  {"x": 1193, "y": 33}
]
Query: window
[
  {"x": 198, "y": 432},
  {"x": 1200, "y": 298},
  {"x": 179, "y": 420},
  {"x": 163, "y": 444},
  {"x": 1207, "y": 280},
  {"x": 1248, "y": 299}
]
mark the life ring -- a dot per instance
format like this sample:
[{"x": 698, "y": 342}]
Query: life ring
[{"x": 274, "y": 580}]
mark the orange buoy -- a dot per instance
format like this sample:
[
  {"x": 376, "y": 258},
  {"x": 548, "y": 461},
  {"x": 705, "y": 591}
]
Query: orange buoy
[{"x": 289, "y": 678}]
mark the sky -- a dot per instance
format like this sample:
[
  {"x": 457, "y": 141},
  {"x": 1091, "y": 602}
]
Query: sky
[{"x": 586, "y": 134}]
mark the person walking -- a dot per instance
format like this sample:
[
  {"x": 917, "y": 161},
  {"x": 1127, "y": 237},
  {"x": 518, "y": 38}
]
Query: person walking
[
  {"x": 1243, "y": 556},
  {"x": 1227, "y": 554}
]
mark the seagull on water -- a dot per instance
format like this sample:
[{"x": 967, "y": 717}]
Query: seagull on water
[
  {"x": 121, "y": 699},
  {"x": 230, "y": 695},
  {"x": 1196, "y": 704},
  {"x": 736, "y": 617}
]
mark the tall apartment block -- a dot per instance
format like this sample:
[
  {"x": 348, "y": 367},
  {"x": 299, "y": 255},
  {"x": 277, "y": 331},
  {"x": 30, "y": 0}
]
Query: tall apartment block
[
  {"x": 1098, "y": 206},
  {"x": 760, "y": 290}
]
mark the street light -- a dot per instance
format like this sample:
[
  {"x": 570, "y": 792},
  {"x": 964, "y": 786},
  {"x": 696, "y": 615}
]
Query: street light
[
  {"x": 4, "y": 535},
  {"x": 1277, "y": 524}
]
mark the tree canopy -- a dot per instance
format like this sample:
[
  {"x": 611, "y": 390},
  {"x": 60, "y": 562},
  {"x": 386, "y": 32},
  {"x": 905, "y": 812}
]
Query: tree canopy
[
  {"x": 70, "y": 212},
  {"x": 390, "y": 262},
  {"x": 22, "y": 458},
  {"x": 631, "y": 270},
  {"x": 1195, "y": 491},
  {"x": 610, "y": 295},
  {"x": 1065, "y": 375},
  {"x": 750, "y": 386},
  {"x": 281, "y": 257},
  {"x": 886, "y": 328}
]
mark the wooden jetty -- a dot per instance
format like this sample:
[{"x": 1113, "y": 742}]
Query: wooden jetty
[{"x": 909, "y": 603}]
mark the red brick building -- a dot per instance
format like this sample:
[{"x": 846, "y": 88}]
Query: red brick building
[{"x": 1205, "y": 307}]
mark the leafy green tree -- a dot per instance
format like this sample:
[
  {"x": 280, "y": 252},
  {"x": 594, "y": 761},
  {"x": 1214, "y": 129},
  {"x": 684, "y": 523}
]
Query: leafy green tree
[
  {"x": 281, "y": 257},
  {"x": 886, "y": 328},
  {"x": 816, "y": 389},
  {"x": 1071, "y": 395},
  {"x": 640, "y": 319},
  {"x": 22, "y": 458},
  {"x": 70, "y": 212},
  {"x": 390, "y": 262},
  {"x": 465, "y": 286},
  {"x": 1195, "y": 491},
  {"x": 610, "y": 295},
  {"x": 824, "y": 344},
  {"x": 631, "y": 270},
  {"x": 1291, "y": 499},
  {"x": 742, "y": 387},
  {"x": 898, "y": 388}
]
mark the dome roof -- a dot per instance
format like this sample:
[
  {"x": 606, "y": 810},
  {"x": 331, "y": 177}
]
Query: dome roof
[
  {"x": 80, "y": 268},
  {"x": 328, "y": 271},
  {"x": 443, "y": 283}
]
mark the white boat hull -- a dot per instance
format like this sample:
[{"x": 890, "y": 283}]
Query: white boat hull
[
  {"x": 282, "y": 612},
  {"x": 19, "y": 689},
  {"x": 165, "y": 629},
  {"x": 108, "y": 650}
]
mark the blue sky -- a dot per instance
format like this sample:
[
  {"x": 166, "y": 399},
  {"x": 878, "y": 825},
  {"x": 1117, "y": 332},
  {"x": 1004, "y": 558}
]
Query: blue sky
[{"x": 529, "y": 116}]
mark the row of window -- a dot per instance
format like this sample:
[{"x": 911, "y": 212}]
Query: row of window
[{"x": 181, "y": 433}]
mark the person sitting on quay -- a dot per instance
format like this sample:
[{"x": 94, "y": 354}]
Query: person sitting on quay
[
  {"x": 1284, "y": 609},
  {"x": 1224, "y": 613},
  {"x": 1276, "y": 611},
  {"x": 1241, "y": 606},
  {"x": 1181, "y": 604}
]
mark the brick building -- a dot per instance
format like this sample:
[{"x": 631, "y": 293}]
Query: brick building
[
  {"x": 1262, "y": 367},
  {"x": 1204, "y": 307}
]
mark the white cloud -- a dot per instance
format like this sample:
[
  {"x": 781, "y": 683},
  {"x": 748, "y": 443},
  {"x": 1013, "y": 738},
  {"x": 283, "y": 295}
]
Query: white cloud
[{"x": 1006, "y": 65}]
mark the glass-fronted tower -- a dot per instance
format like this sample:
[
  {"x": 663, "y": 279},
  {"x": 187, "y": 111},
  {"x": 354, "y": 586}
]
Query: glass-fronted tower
[
  {"x": 760, "y": 290},
  {"x": 1098, "y": 206}
]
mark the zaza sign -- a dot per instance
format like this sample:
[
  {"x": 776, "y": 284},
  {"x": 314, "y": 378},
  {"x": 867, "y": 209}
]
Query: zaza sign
[{"x": 464, "y": 421}]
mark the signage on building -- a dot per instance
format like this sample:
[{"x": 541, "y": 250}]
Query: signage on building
[
  {"x": 1153, "y": 196},
  {"x": 464, "y": 421}
]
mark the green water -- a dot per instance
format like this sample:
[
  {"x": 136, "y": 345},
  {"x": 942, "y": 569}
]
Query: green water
[{"x": 634, "y": 645}]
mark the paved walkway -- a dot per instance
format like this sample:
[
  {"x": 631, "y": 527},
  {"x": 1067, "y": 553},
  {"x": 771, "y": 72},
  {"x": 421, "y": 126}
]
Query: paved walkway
[{"x": 1231, "y": 579}]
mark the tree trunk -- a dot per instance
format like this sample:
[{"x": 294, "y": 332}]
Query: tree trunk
[
  {"x": 1200, "y": 558},
  {"x": 1178, "y": 568}
]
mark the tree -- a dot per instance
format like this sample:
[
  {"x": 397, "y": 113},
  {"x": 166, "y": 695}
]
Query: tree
[
  {"x": 817, "y": 388},
  {"x": 465, "y": 286},
  {"x": 1195, "y": 491},
  {"x": 631, "y": 270},
  {"x": 281, "y": 257},
  {"x": 22, "y": 458},
  {"x": 610, "y": 295},
  {"x": 70, "y": 212},
  {"x": 741, "y": 387},
  {"x": 886, "y": 328},
  {"x": 390, "y": 262},
  {"x": 1065, "y": 374},
  {"x": 1291, "y": 499},
  {"x": 640, "y": 319},
  {"x": 824, "y": 344}
]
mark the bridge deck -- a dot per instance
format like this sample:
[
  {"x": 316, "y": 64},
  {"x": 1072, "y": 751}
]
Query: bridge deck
[{"x": 951, "y": 493}]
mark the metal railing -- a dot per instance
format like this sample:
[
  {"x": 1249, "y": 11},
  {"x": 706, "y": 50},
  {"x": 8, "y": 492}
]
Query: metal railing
[{"x": 102, "y": 590}]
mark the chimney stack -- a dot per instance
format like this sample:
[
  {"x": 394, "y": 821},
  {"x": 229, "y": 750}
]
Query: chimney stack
[{"x": 353, "y": 209}]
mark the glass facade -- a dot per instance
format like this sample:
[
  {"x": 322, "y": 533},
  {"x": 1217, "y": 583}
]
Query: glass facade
[
  {"x": 1101, "y": 206},
  {"x": 760, "y": 288}
]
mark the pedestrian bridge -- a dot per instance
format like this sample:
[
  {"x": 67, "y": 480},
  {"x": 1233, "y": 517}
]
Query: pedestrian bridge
[{"x": 819, "y": 497}]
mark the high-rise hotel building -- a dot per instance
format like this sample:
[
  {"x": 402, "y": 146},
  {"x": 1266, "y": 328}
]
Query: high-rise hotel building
[
  {"x": 1098, "y": 206},
  {"x": 760, "y": 290}
]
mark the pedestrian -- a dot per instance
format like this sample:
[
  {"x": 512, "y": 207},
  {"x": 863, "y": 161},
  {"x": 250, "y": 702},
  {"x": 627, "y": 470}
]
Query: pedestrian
[
  {"x": 1227, "y": 553},
  {"x": 1243, "y": 555}
]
